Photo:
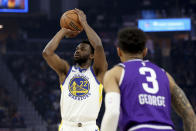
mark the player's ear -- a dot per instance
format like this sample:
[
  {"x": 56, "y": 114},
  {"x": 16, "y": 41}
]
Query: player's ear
[
  {"x": 119, "y": 52},
  {"x": 91, "y": 56},
  {"x": 145, "y": 51}
]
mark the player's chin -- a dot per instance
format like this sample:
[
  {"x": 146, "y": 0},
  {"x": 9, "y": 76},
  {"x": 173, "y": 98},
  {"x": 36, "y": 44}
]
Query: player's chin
[{"x": 76, "y": 58}]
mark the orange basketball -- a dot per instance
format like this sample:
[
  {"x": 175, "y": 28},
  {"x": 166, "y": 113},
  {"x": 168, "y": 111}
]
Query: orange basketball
[{"x": 70, "y": 21}]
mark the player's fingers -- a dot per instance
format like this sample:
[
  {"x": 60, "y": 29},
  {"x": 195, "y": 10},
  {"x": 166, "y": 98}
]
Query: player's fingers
[
  {"x": 69, "y": 33},
  {"x": 75, "y": 32},
  {"x": 76, "y": 11},
  {"x": 79, "y": 11},
  {"x": 66, "y": 29},
  {"x": 70, "y": 30}
]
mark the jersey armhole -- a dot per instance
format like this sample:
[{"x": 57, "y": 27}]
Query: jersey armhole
[
  {"x": 67, "y": 75},
  {"x": 91, "y": 68},
  {"x": 122, "y": 76},
  {"x": 122, "y": 73},
  {"x": 121, "y": 65}
]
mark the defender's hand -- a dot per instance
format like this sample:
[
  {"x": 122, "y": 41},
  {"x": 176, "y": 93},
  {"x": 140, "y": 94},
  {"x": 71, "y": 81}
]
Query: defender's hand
[
  {"x": 69, "y": 33},
  {"x": 81, "y": 15}
]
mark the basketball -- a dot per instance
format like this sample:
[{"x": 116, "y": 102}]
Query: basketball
[{"x": 70, "y": 20}]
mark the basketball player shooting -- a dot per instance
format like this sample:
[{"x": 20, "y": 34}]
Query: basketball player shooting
[
  {"x": 81, "y": 88},
  {"x": 139, "y": 93}
]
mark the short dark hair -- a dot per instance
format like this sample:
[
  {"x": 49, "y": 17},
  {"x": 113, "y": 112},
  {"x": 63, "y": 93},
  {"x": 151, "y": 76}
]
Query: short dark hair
[
  {"x": 131, "y": 40},
  {"x": 88, "y": 42}
]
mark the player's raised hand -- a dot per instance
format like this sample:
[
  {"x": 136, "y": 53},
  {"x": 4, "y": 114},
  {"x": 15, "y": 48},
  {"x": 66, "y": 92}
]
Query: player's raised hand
[
  {"x": 81, "y": 15},
  {"x": 69, "y": 33}
]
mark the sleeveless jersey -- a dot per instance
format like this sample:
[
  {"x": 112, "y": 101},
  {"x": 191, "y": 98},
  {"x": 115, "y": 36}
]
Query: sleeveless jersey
[
  {"x": 81, "y": 96},
  {"x": 145, "y": 95}
]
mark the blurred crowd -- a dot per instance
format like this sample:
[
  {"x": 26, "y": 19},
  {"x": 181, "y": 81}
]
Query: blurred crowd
[
  {"x": 39, "y": 83},
  {"x": 9, "y": 116}
]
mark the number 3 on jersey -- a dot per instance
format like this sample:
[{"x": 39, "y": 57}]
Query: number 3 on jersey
[{"x": 151, "y": 78}]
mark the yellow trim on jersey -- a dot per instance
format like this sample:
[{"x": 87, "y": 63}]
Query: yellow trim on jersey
[
  {"x": 61, "y": 87},
  {"x": 100, "y": 93},
  {"x": 60, "y": 126}
]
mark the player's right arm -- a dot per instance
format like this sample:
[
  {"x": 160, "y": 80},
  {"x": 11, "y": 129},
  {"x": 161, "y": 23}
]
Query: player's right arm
[
  {"x": 182, "y": 106},
  {"x": 100, "y": 64},
  {"x": 59, "y": 65}
]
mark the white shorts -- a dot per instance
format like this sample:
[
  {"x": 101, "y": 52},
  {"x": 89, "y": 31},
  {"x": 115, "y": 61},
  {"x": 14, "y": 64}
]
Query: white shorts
[{"x": 78, "y": 126}]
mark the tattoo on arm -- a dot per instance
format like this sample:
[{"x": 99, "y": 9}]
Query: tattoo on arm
[{"x": 182, "y": 106}]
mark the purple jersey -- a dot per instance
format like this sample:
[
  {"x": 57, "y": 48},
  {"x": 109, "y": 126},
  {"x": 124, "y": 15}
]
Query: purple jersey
[{"x": 145, "y": 95}]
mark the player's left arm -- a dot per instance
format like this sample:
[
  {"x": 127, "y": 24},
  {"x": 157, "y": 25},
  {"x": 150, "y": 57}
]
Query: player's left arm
[
  {"x": 182, "y": 106},
  {"x": 100, "y": 63},
  {"x": 112, "y": 99}
]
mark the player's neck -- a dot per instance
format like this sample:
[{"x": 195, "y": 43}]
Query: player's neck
[
  {"x": 84, "y": 65},
  {"x": 131, "y": 57}
]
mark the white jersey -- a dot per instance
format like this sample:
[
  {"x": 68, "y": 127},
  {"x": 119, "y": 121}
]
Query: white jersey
[{"x": 81, "y": 96}]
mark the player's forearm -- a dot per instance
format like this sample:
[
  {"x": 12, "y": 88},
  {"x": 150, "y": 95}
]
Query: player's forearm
[
  {"x": 110, "y": 122},
  {"x": 189, "y": 123},
  {"x": 182, "y": 106},
  {"x": 112, "y": 112},
  {"x": 53, "y": 43},
  {"x": 92, "y": 35}
]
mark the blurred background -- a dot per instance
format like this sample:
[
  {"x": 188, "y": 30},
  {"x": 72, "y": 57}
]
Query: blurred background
[{"x": 29, "y": 89}]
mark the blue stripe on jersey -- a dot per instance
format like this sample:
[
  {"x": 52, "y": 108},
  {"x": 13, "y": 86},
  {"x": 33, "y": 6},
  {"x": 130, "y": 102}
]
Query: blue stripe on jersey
[{"x": 94, "y": 74}]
